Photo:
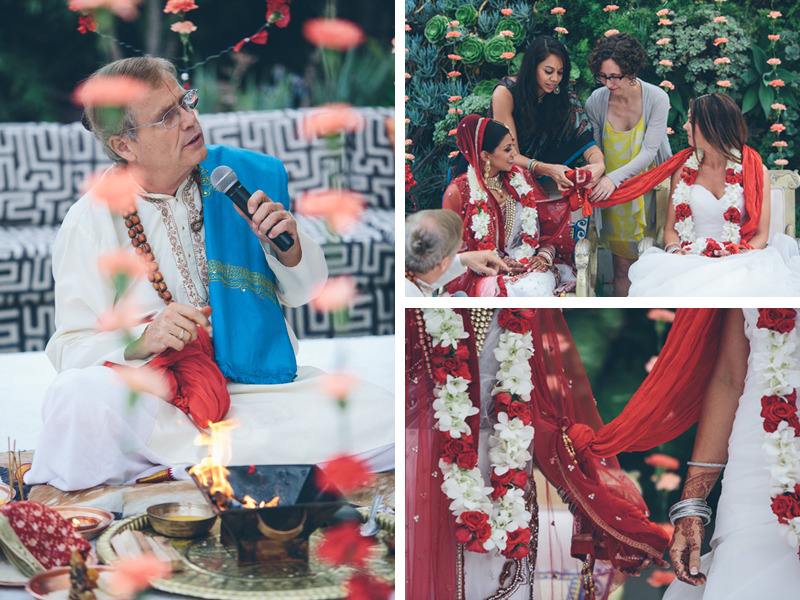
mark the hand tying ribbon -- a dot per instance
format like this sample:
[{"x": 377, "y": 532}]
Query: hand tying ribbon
[{"x": 578, "y": 194}]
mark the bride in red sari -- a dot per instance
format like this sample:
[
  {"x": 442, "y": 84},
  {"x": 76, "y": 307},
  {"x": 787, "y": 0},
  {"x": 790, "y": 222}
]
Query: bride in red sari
[{"x": 505, "y": 210}]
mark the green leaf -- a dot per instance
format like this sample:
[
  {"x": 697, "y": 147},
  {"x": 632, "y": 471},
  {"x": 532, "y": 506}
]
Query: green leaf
[
  {"x": 676, "y": 100},
  {"x": 574, "y": 72},
  {"x": 766, "y": 96},
  {"x": 750, "y": 100},
  {"x": 759, "y": 59},
  {"x": 750, "y": 76}
]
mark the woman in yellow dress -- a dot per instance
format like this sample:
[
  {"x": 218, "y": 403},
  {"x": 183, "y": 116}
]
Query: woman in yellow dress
[{"x": 629, "y": 119}]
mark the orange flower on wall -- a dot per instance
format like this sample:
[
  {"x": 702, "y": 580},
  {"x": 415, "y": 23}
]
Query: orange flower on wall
[{"x": 336, "y": 34}]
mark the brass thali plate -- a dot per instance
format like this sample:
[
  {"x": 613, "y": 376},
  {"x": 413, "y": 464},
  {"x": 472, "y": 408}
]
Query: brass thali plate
[{"x": 211, "y": 570}]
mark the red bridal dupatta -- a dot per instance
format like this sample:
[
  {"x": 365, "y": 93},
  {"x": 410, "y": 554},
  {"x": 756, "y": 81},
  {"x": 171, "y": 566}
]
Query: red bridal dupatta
[
  {"x": 752, "y": 182},
  {"x": 571, "y": 446},
  {"x": 554, "y": 216}
]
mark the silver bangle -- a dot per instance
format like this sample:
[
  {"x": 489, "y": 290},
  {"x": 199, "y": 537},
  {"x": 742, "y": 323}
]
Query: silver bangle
[
  {"x": 691, "y": 463},
  {"x": 690, "y": 507},
  {"x": 675, "y": 249}
]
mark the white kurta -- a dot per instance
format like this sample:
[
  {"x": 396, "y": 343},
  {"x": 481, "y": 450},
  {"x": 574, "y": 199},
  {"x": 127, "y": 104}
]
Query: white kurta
[{"x": 86, "y": 412}]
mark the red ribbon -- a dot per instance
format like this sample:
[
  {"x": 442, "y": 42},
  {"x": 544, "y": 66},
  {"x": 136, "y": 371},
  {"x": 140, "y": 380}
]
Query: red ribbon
[{"x": 578, "y": 194}]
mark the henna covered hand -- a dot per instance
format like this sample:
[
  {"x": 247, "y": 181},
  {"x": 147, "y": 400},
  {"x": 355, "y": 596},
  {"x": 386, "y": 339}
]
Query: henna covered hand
[{"x": 684, "y": 550}]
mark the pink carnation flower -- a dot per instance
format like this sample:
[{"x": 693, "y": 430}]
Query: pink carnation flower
[
  {"x": 720, "y": 20},
  {"x": 722, "y": 60},
  {"x": 773, "y": 37},
  {"x": 183, "y": 27},
  {"x": 721, "y": 40},
  {"x": 774, "y": 61},
  {"x": 611, "y": 32},
  {"x": 558, "y": 10},
  {"x": 610, "y": 8},
  {"x": 724, "y": 83},
  {"x": 780, "y": 144},
  {"x": 774, "y": 14},
  {"x": 664, "y": 22},
  {"x": 453, "y": 34},
  {"x": 778, "y": 106},
  {"x": 507, "y": 33},
  {"x": 667, "y": 84},
  {"x": 665, "y": 63},
  {"x": 781, "y": 162},
  {"x": 508, "y": 55},
  {"x": 662, "y": 12},
  {"x": 454, "y": 99},
  {"x": 454, "y": 74},
  {"x": 561, "y": 30},
  {"x": 336, "y": 294},
  {"x": 453, "y": 57},
  {"x": 777, "y": 127},
  {"x": 663, "y": 41},
  {"x": 777, "y": 83},
  {"x": 506, "y": 11},
  {"x": 670, "y": 131}
]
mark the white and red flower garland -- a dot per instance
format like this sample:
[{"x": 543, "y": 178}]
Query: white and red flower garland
[
  {"x": 494, "y": 517},
  {"x": 684, "y": 223},
  {"x": 481, "y": 218},
  {"x": 775, "y": 351}
]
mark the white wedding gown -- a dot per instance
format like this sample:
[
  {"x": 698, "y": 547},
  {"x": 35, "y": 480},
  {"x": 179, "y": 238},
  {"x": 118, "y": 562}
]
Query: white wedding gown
[
  {"x": 773, "y": 271},
  {"x": 749, "y": 558}
]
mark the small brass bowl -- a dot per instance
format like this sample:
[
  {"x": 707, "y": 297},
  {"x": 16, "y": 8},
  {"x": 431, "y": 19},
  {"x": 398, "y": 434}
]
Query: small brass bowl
[{"x": 181, "y": 519}]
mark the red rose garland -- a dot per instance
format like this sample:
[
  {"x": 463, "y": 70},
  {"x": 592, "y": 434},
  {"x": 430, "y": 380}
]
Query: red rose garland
[{"x": 781, "y": 423}]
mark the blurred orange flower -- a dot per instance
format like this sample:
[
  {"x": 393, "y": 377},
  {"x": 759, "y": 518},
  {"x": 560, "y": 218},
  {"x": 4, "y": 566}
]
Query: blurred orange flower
[
  {"x": 338, "y": 385},
  {"x": 508, "y": 55},
  {"x": 664, "y": 22},
  {"x": 558, "y": 10},
  {"x": 344, "y": 545},
  {"x": 720, "y": 20},
  {"x": 453, "y": 34},
  {"x": 663, "y": 41},
  {"x": 346, "y": 474},
  {"x": 664, "y": 461},
  {"x": 668, "y": 482},
  {"x": 390, "y": 128},
  {"x": 777, "y": 83},
  {"x": 611, "y": 32},
  {"x": 124, "y": 9},
  {"x": 178, "y": 6},
  {"x": 561, "y": 30},
  {"x": 661, "y": 578},
  {"x": 781, "y": 162},
  {"x": 102, "y": 90},
  {"x": 774, "y": 61},
  {"x": 506, "y": 11},
  {"x": 183, "y": 27},
  {"x": 114, "y": 188},
  {"x": 777, "y": 127},
  {"x": 661, "y": 314},
  {"x": 724, "y": 83},
  {"x": 340, "y": 208},
  {"x": 122, "y": 261},
  {"x": 648, "y": 366},
  {"x": 134, "y": 574},
  {"x": 336, "y": 294},
  {"x": 778, "y": 106},
  {"x": 329, "y": 119},
  {"x": 773, "y": 37},
  {"x": 336, "y": 34},
  {"x": 663, "y": 12},
  {"x": 665, "y": 63},
  {"x": 721, "y": 40},
  {"x": 122, "y": 316},
  {"x": 144, "y": 379}
]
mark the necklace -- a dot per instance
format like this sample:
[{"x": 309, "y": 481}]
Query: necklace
[
  {"x": 494, "y": 183},
  {"x": 730, "y": 200},
  {"x": 139, "y": 242},
  {"x": 510, "y": 211}
]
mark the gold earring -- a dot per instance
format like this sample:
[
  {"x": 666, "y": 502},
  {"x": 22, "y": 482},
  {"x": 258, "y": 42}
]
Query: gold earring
[{"x": 486, "y": 171}]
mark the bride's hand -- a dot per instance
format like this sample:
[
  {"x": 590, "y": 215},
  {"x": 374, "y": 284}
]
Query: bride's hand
[
  {"x": 684, "y": 550},
  {"x": 538, "y": 265},
  {"x": 514, "y": 267},
  {"x": 722, "y": 252}
]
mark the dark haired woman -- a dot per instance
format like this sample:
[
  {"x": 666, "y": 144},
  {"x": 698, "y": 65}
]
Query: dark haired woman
[
  {"x": 717, "y": 226},
  {"x": 547, "y": 122},
  {"x": 497, "y": 202},
  {"x": 629, "y": 119}
]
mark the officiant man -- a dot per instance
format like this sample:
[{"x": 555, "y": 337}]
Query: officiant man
[{"x": 209, "y": 309}]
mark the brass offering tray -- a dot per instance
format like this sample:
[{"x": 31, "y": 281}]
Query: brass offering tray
[{"x": 211, "y": 570}]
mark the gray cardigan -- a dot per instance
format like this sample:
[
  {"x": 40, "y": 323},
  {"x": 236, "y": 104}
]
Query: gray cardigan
[{"x": 655, "y": 109}]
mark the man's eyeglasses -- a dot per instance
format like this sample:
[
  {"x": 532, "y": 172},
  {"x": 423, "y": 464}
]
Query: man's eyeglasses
[
  {"x": 172, "y": 117},
  {"x": 611, "y": 78}
]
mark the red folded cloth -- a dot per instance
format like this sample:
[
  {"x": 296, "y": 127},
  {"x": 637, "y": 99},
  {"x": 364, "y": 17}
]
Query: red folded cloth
[
  {"x": 578, "y": 194},
  {"x": 38, "y": 529}
]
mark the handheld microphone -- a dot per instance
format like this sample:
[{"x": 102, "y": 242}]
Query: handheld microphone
[{"x": 224, "y": 180}]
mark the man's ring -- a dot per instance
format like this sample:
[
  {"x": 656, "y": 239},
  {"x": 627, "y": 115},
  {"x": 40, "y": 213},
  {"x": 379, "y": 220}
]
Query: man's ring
[{"x": 180, "y": 336}]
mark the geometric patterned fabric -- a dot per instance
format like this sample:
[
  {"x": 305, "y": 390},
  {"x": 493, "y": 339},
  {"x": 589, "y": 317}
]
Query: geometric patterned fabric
[{"x": 43, "y": 166}]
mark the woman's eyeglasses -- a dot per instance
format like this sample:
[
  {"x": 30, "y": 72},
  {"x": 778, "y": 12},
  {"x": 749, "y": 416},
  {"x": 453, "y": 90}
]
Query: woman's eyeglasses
[
  {"x": 611, "y": 78},
  {"x": 172, "y": 117}
]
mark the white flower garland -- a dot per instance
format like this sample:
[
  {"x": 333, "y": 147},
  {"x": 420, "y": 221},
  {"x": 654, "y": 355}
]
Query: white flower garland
[
  {"x": 731, "y": 232},
  {"x": 508, "y": 444},
  {"x": 774, "y": 357},
  {"x": 528, "y": 215}
]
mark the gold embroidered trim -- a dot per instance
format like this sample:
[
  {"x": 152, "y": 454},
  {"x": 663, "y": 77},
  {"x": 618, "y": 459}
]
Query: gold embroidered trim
[{"x": 239, "y": 278}]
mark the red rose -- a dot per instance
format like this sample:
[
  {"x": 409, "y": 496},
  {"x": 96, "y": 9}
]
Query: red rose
[
  {"x": 776, "y": 319},
  {"x": 518, "y": 543},
  {"x": 733, "y": 215},
  {"x": 450, "y": 366},
  {"x": 467, "y": 459},
  {"x": 711, "y": 247},
  {"x": 689, "y": 175},
  {"x": 786, "y": 507},
  {"x": 461, "y": 352},
  {"x": 500, "y": 483},
  {"x": 502, "y": 401},
  {"x": 521, "y": 410},
  {"x": 774, "y": 410},
  {"x": 485, "y": 246},
  {"x": 682, "y": 211},
  {"x": 732, "y": 176},
  {"x": 515, "y": 321},
  {"x": 477, "y": 546},
  {"x": 474, "y": 519},
  {"x": 452, "y": 447},
  {"x": 463, "y": 535}
]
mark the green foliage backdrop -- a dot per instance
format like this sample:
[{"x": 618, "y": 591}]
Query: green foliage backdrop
[{"x": 435, "y": 80}]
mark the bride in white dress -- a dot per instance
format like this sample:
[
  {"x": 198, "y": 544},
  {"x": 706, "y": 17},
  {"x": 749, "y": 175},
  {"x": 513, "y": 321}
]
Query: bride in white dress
[
  {"x": 715, "y": 237},
  {"x": 753, "y": 554}
]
